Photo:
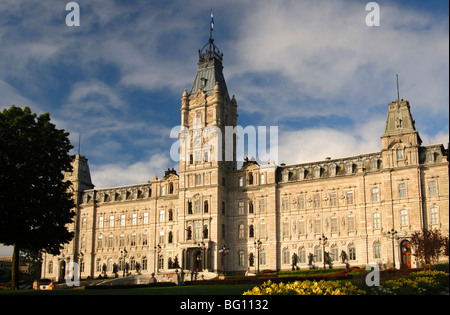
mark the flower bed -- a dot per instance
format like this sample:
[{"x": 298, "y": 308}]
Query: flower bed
[{"x": 306, "y": 287}]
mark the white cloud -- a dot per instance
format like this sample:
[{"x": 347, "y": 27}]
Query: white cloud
[{"x": 120, "y": 174}]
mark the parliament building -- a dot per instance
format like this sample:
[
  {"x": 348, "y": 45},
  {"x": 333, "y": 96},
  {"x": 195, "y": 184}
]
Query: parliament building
[{"x": 211, "y": 217}]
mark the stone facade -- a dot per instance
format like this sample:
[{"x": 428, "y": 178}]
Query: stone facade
[{"x": 212, "y": 217}]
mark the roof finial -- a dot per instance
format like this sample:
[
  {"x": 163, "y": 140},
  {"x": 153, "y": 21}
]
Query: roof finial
[
  {"x": 212, "y": 26},
  {"x": 398, "y": 90}
]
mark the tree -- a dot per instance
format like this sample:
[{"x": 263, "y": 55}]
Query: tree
[
  {"x": 428, "y": 245},
  {"x": 35, "y": 203}
]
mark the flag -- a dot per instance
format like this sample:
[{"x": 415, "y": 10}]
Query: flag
[{"x": 212, "y": 21}]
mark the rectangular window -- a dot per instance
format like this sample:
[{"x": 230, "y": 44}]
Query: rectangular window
[
  {"x": 197, "y": 230},
  {"x": 375, "y": 194},
  {"x": 161, "y": 237},
  {"x": 301, "y": 202},
  {"x": 333, "y": 199},
  {"x": 223, "y": 230},
  {"x": 100, "y": 242},
  {"x": 399, "y": 154},
  {"x": 316, "y": 201},
  {"x": 241, "y": 231},
  {"x": 349, "y": 197},
  {"x": 100, "y": 222},
  {"x": 134, "y": 219},
  {"x": 111, "y": 221},
  {"x": 198, "y": 179},
  {"x": 432, "y": 189},
  {"x": 241, "y": 181},
  {"x": 261, "y": 179},
  {"x": 163, "y": 190},
  {"x": 146, "y": 218},
  {"x": 241, "y": 207},
  {"x": 261, "y": 206},
  {"x": 434, "y": 215},
  {"x": 110, "y": 241},
  {"x": 301, "y": 227},
  {"x": 223, "y": 207},
  {"x": 121, "y": 240},
  {"x": 402, "y": 190},
  {"x": 404, "y": 217},
  {"x": 262, "y": 229},
  {"x": 161, "y": 216},
  {"x": 351, "y": 223},
  {"x": 122, "y": 220},
  {"x": 317, "y": 226},
  {"x": 376, "y": 220},
  {"x": 334, "y": 225},
  {"x": 133, "y": 240},
  {"x": 286, "y": 228},
  {"x": 285, "y": 204},
  {"x": 197, "y": 206}
]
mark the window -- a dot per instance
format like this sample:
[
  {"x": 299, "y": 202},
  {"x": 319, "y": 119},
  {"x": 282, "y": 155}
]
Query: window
[
  {"x": 351, "y": 222},
  {"x": 161, "y": 215},
  {"x": 349, "y": 168},
  {"x": 223, "y": 207},
  {"x": 404, "y": 217},
  {"x": 377, "y": 250},
  {"x": 163, "y": 190},
  {"x": 316, "y": 201},
  {"x": 50, "y": 267},
  {"x": 434, "y": 215},
  {"x": 285, "y": 204},
  {"x": 261, "y": 179},
  {"x": 197, "y": 206},
  {"x": 122, "y": 220},
  {"x": 241, "y": 181},
  {"x": 261, "y": 206},
  {"x": 301, "y": 202},
  {"x": 134, "y": 219},
  {"x": 121, "y": 240},
  {"x": 332, "y": 170},
  {"x": 223, "y": 230},
  {"x": 262, "y": 229},
  {"x": 110, "y": 241},
  {"x": 399, "y": 154},
  {"x": 197, "y": 230},
  {"x": 302, "y": 255},
  {"x": 286, "y": 228},
  {"x": 241, "y": 258},
  {"x": 374, "y": 164},
  {"x": 145, "y": 217},
  {"x": 144, "y": 263},
  {"x": 100, "y": 242},
  {"x": 241, "y": 207},
  {"x": 301, "y": 227},
  {"x": 241, "y": 231},
  {"x": 375, "y": 194},
  {"x": 83, "y": 242},
  {"x": 317, "y": 172},
  {"x": 317, "y": 226},
  {"x": 286, "y": 256},
  {"x": 145, "y": 239},
  {"x": 334, "y": 253},
  {"x": 349, "y": 197},
  {"x": 351, "y": 252},
  {"x": 133, "y": 240},
  {"x": 161, "y": 237},
  {"x": 83, "y": 223},
  {"x": 334, "y": 225},
  {"x": 376, "y": 220},
  {"x": 402, "y": 190},
  {"x": 333, "y": 199},
  {"x": 262, "y": 257},
  {"x": 100, "y": 222},
  {"x": 198, "y": 179},
  {"x": 432, "y": 189},
  {"x": 318, "y": 254}
]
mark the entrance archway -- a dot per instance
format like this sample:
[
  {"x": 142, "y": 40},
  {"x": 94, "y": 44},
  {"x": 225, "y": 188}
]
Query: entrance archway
[{"x": 405, "y": 248}]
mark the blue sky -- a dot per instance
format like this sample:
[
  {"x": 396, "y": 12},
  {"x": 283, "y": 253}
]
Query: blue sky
[{"x": 312, "y": 68}]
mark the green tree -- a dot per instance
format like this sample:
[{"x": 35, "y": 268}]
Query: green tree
[{"x": 35, "y": 204}]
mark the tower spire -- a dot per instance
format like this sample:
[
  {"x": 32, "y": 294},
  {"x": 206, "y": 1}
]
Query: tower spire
[{"x": 398, "y": 90}]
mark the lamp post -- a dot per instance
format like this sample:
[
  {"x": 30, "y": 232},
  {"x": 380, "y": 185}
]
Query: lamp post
[
  {"x": 258, "y": 246},
  {"x": 224, "y": 251},
  {"x": 202, "y": 247},
  {"x": 393, "y": 235},
  {"x": 157, "y": 251},
  {"x": 323, "y": 240},
  {"x": 123, "y": 254}
]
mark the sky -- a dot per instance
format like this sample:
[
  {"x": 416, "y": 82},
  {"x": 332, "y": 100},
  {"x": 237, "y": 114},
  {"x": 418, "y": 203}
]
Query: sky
[{"x": 315, "y": 69}]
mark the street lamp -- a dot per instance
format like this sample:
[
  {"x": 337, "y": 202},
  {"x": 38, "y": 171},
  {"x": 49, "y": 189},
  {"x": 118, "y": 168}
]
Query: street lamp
[
  {"x": 224, "y": 251},
  {"x": 393, "y": 235},
  {"x": 258, "y": 246},
  {"x": 323, "y": 240},
  {"x": 157, "y": 251},
  {"x": 202, "y": 247},
  {"x": 123, "y": 254}
]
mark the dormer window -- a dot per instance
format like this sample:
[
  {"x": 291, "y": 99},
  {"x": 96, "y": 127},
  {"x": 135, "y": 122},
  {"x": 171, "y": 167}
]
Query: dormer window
[
  {"x": 400, "y": 154},
  {"x": 203, "y": 82}
]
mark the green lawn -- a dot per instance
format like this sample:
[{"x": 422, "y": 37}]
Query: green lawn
[{"x": 237, "y": 289}]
